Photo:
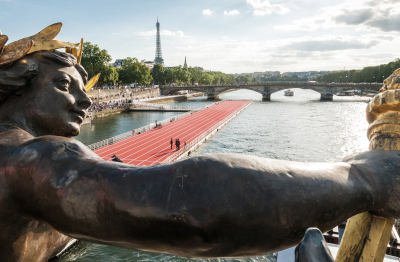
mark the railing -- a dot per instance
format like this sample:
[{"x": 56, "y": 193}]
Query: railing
[
  {"x": 270, "y": 82},
  {"x": 162, "y": 107},
  {"x": 162, "y": 96},
  {"x": 193, "y": 143},
  {"x": 112, "y": 140}
]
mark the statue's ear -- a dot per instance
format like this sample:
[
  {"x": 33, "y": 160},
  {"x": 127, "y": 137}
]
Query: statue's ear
[{"x": 313, "y": 248}]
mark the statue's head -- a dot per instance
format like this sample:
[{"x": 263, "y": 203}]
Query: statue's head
[
  {"x": 48, "y": 88},
  {"x": 43, "y": 90}
]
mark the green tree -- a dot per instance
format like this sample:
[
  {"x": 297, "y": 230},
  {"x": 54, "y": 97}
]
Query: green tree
[
  {"x": 169, "y": 75},
  {"x": 195, "y": 75},
  {"x": 133, "y": 70},
  {"x": 109, "y": 75},
  {"x": 206, "y": 79},
  {"x": 95, "y": 60},
  {"x": 158, "y": 73},
  {"x": 181, "y": 74}
]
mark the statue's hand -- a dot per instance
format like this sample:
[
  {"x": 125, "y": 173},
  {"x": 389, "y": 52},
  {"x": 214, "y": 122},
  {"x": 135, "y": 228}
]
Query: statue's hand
[
  {"x": 313, "y": 248},
  {"x": 381, "y": 169}
]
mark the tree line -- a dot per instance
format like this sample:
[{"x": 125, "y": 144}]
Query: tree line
[
  {"x": 96, "y": 60},
  {"x": 292, "y": 78},
  {"x": 368, "y": 74},
  {"x": 191, "y": 75}
]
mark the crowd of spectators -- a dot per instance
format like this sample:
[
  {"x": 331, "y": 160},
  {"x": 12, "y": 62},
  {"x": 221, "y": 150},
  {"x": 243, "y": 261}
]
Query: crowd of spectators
[{"x": 107, "y": 106}]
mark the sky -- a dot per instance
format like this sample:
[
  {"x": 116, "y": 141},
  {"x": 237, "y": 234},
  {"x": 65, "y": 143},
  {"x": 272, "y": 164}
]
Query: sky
[{"x": 231, "y": 36}]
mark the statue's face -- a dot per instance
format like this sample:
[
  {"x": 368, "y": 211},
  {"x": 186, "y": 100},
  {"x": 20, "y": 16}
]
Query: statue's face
[{"x": 56, "y": 101}]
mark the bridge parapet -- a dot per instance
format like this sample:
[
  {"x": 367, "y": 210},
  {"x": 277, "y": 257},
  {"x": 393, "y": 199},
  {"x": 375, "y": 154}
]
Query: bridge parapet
[{"x": 327, "y": 90}]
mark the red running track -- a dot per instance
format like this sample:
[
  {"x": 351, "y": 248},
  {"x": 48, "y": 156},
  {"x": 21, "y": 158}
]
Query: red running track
[{"x": 153, "y": 146}]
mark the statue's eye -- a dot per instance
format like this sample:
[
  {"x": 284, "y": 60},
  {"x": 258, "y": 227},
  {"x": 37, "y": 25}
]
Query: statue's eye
[{"x": 64, "y": 83}]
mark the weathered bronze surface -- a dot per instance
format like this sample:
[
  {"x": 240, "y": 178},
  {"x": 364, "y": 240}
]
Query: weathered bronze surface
[
  {"x": 313, "y": 248},
  {"x": 219, "y": 205}
]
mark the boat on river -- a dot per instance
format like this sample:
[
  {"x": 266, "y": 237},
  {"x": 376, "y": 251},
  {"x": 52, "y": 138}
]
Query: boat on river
[
  {"x": 346, "y": 93},
  {"x": 289, "y": 92}
]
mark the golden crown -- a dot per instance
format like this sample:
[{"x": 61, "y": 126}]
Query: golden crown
[{"x": 42, "y": 41}]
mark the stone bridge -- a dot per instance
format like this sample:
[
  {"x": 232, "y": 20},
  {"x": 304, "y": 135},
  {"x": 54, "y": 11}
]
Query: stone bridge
[{"x": 267, "y": 89}]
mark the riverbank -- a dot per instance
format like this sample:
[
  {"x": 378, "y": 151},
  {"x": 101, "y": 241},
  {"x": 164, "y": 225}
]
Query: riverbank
[{"x": 156, "y": 100}]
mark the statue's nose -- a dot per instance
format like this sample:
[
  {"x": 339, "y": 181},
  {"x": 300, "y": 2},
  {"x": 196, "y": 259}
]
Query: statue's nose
[{"x": 83, "y": 100}]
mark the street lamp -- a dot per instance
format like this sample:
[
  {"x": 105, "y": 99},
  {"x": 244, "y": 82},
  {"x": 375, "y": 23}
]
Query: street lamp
[
  {"x": 346, "y": 79},
  {"x": 374, "y": 79}
]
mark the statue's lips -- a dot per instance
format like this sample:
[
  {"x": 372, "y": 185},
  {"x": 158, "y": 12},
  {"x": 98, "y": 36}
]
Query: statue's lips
[{"x": 80, "y": 114}]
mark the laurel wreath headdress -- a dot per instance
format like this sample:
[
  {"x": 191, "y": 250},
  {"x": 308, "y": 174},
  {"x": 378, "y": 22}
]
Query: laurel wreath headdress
[{"x": 42, "y": 41}]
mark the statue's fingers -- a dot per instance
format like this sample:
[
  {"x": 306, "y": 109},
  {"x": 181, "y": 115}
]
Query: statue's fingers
[{"x": 313, "y": 248}]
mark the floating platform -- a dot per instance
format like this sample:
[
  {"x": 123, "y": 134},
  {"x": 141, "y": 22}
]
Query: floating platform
[
  {"x": 159, "y": 110},
  {"x": 153, "y": 146}
]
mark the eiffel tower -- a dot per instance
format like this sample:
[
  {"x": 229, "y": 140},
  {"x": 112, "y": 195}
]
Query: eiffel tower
[{"x": 159, "y": 59}]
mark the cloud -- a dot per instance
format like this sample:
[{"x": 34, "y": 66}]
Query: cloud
[
  {"x": 386, "y": 24},
  {"x": 207, "y": 12},
  {"x": 162, "y": 32},
  {"x": 330, "y": 45},
  {"x": 232, "y": 12},
  {"x": 383, "y": 15},
  {"x": 354, "y": 17},
  {"x": 265, "y": 7}
]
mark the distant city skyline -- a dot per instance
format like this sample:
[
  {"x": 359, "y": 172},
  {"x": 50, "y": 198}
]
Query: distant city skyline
[{"x": 234, "y": 36}]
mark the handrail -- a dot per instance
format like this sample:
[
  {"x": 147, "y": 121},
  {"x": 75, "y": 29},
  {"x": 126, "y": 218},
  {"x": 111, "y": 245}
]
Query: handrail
[{"x": 159, "y": 106}]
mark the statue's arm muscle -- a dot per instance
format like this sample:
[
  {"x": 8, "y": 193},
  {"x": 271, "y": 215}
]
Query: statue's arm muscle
[{"x": 207, "y": 206}]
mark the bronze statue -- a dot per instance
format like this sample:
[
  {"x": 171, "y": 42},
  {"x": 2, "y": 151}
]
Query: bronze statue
[{"x": 219, "y": 205}]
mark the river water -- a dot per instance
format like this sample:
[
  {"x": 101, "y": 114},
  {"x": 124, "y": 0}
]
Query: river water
[{"x": 298, "y": 128}]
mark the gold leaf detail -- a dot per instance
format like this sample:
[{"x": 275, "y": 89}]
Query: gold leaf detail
[
  {"x": 50, "y": 45},
  {"x": 80, "y": 49},
  {"x": 92, "y": 82},
  {"x": 15, "y": 51}
]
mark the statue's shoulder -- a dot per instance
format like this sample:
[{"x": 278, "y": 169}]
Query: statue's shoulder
[{"x": 13, "y": 136}]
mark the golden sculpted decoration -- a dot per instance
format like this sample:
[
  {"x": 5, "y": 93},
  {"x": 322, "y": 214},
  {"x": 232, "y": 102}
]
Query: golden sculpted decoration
[
  {"x": 383, "y": 115},
  {"x": 42, "y": 41}
]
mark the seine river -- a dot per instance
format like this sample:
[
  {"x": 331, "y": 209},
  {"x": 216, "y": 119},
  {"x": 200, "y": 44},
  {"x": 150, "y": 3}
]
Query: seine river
[{"x": 298, "y": 128}]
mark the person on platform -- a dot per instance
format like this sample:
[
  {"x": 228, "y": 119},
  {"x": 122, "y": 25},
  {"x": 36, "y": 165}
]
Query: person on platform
[
  {"x": 115, "y": 158},
  {"x": 176, "y": 143},
  {"x": 171, "y": 142},
  {"x": 208, "y": 206}
]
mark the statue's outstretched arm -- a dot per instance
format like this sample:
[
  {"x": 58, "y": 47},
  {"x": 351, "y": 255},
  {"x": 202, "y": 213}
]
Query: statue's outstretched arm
[{"x": 221, "y": 205}]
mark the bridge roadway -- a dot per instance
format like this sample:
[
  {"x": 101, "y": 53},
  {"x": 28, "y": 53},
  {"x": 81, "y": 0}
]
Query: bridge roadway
[
  {"x": 327, "y": 90},
  {"x": 153, "y": 146}
]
